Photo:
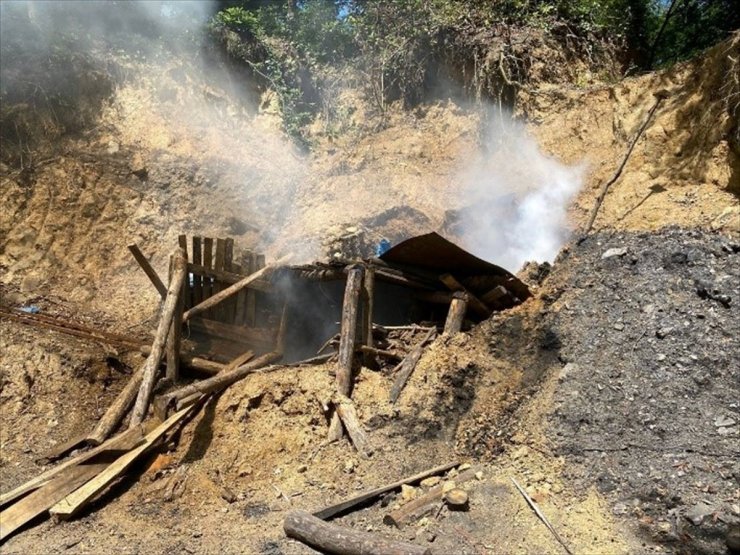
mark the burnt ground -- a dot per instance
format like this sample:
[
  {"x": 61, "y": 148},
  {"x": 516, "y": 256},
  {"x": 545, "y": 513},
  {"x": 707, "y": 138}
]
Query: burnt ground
[{"x": 647, "y": 406}]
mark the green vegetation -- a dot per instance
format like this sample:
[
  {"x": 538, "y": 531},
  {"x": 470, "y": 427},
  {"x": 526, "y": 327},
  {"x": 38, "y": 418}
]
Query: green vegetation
[{"x": 399, "y": 44}]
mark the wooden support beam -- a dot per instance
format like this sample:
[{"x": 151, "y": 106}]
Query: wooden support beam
[
  {"x": 124, "y": 441},
  {"x": 361, "y": 499},
  {"x": 148, "y": 270},
  {"x": 151, "y": 366},
  {"x": 233, "y": 289},
  {"x": 408, "y": 365},
  {"x": 282, "y": 330},
  {"x": 368, "y": 297},
  {"x": 458, "y": 307},
  {"x": 230, "y": 277},
  {"x": 197, "y": 279},
  {"x": 115, "y": 413},
  {"x": 474, "y": 302},
  {"x": 72, "y": 504},
  {"x": 338, "y": 540},
  {"x": 263, "y": 338},
  {"x": 345, "y": 408},
  {"x": 347, "y": 340},
  {"x": 208, "y": 265},
  {"x": 174, "y": 336}
]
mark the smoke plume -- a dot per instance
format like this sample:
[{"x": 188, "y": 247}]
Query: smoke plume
[{"x": 516, "y": 198}]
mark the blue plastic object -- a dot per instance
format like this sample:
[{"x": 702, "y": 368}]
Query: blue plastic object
[
  {"x": 382, "y": 247},
  {"x": 31, "y": 309}
]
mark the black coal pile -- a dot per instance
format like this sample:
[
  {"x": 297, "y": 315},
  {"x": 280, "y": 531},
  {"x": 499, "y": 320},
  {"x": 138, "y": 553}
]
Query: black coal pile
[{"x": 648, "y": 404}]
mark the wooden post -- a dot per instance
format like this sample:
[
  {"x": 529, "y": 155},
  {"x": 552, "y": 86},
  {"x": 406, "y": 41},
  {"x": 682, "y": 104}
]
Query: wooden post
[
  {"x": 475, "y": 303},
  {"x": 207, "y": 263},
  {"x": 455, "y": 316},
  {"x": 368, "y": 294},
  {"x": 148, "y": 270},
  {"x": 347, "y": 339},
  {"x": 149, "y": 370},
  {"x": 231, "y": 290},
  {"x": 408, "y": 365},
  {"x": 197, "y": 279},
  {"x": 175, "y": 334},
  {"x": 346, "y": 410},
  {"x": 338, "y": 540}
]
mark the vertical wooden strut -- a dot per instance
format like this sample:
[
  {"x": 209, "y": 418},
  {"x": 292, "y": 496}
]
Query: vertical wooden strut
[
  {"x": 347, "y": 339},
  {"x": 149, "y": 370},
  {"x": 368, "y": 293},
  {"x": 175, "y": 334},
  {"x": 458, "y": 307}
]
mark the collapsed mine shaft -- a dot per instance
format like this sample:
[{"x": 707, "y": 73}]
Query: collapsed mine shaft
[{"x": 226, "y": 314}]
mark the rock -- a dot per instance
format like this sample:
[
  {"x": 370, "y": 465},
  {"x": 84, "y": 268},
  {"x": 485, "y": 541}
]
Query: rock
[
  {"x": 408, "y": 492},
  {"x": 349, "y": 467},
  {"x": 457, "y": 499},
  {"x": 724, "y": 422},
  {"x": 448, "y": 486},
  {"x": 662, "y": 333},
  {"x": 613, "y": 252},
  {"x": 430, "y": 482},
  {"x": 698, "y": 513},
  {"x": 661, "y": 357},
  {"x": 619, "y": 326}
]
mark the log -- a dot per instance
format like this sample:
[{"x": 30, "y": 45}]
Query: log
[
  {"x": 196, "y": 363},
  {"x": 416, "y": 508},
  {"x": 124, "y": 441},
  {"x": 347, "y": 340},
  {"x": 232, "y": 289},
  {"x": 148, "y": 270},
  {"x": 338, "y": 540},
  {"x": 151, "y": 366},
  {"x": 76, "y": 501},
  {"x": 458, "y": 307},
  {"x": 379, "y": 352},
  {"x": 223, "y": 380},
  {"x": 475, "y": 303},
  {"x": 117, "y": 410},
  {"x": 408, "y": 365},
  {"x": 345, "y": 408},
  {"x": 368, "y": 293},
  {"x": 42, "y": 499},
  {"x": 197, "y": 278},
  {"x": 495, "y": 295},
  {"x": 174, "y": 336},
  {"x": 344, "y": 506}
]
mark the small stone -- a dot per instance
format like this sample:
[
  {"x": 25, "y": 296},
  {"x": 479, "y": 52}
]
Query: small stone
[
  {"x": 613, "y": 252},
  {"x": 430, "y": 482},
  {"x": 661, "y": 357},
  {"x": 301, "y": 469},
  {"x": 457, "y": 499},
  {"x": 408, "y": 492},
  {"x": 479, "y": 475},
  {"x": 698, "y": 513},
  {"x": 619, "y": 326},
  {"x": 448, "y": 486},
  {"x": 431, "y": 536},
  {"x": 662, "y": 333},
  {"x": 723, "y": 421},
  {"x": 463, "y": 466},
  {"x": 349, "y": 467}
]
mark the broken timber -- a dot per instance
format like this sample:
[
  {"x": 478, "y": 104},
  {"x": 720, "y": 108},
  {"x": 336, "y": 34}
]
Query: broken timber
[
  {"x": 175, "y": 333},
  {"x": 408, "y": 365},
  {"x": 345, "y": 408},
  {"x": 455, "y": 316},
  {"x": 330, "y": 538},
  {"x": 347, "y": 340},
  {"x": 151, "y": 366},
  {"x": 340, "y": 508},
  {"x": 148, "y": 270},
  {"x": 475, "y": 303}
]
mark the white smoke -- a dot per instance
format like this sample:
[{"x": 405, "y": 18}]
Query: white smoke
[{"x": 517, "y": 198}]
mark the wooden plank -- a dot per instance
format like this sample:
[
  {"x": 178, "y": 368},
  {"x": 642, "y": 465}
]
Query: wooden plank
[
  {"x": 261, "y": 337},
  {"x": 233, "y": 289},
  {"x": 368, "y": 293},
  {"x": 218, "y": 286},
  {"x": 61, "y": 449},
  {"x": 197, "y": 279},
  {"x": 42, "y": 499},
  {"x": 475, "y": 303},
  {"x": 129, "y": 439},
  {"x": 240, "y": 310},
  {"x": 231, "y": 277},
  {"x": 347, "y": 340},
  {"x": 251, "y": 308},
  {"x": 229, "y": 305},
  {"x": 207, "y": 264},
  {"x": 76, "y": 501},
  {"x": 182, "y": 241},
  {"x": 346, "y": 410},
  {"x": 357, "y": 500},
  {"x": 148, "y": 270},
  {"x": 408, "y": 365}
]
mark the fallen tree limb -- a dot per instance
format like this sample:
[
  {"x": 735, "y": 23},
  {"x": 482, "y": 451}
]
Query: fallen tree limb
[
  {"x": 151, "y": 366},
  {"x": 345, "y": 408},
  {"x": 408, "y": 365},
  {"x": 417, "y": 508},
  {"x": 344, "y": 506},
  {"x": 76, "y": 501},
  {"x": 338, "y": 540},
  {"x": 148, "y": 270},
  {"x": 212, "y": 301},
  {"x": 605, "y": 186},
  {"x": 126, "y": 440}
]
